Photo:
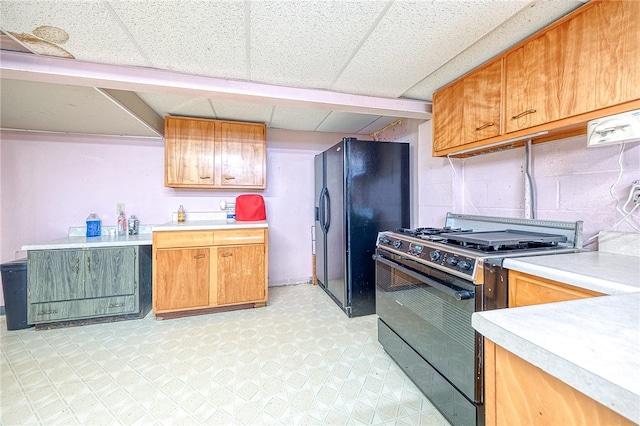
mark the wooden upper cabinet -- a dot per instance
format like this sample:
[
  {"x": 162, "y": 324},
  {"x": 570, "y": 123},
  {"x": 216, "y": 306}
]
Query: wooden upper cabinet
[
  {"x": 583, "y": 64},
  {"x": 468, "y": 110},
  {"x": 242, "y": 155},
  {"x": 189, "y": 151},
  {"x": 203, "y": 153}
]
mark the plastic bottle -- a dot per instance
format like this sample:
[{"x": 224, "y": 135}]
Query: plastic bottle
[
  {"x": 181, "y": 214},
  {"x": 122, "y": 224},
  {"x": 93, "y": 225}
]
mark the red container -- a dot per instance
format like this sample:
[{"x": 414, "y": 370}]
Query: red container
[{"x": 250, "y": 207}]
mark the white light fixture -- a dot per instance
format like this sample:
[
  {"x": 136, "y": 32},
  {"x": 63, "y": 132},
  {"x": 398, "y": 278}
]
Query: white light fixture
[{"x": 619, "y": 128}]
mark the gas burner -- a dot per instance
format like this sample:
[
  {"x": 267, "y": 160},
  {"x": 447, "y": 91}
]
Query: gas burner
[{"x": 427, "y": 233}]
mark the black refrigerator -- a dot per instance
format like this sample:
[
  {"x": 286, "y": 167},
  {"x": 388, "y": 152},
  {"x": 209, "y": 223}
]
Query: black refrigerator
[{"x": 361, "y": 188}]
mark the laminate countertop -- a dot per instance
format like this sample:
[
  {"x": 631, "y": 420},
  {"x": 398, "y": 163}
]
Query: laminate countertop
[
  {"x": 590, "y": 344},
  {"x": 77, "y": 238}
]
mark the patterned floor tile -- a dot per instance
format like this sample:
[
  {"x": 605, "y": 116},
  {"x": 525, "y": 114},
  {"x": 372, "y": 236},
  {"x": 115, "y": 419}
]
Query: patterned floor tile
[{"x": 297, "y": 361}]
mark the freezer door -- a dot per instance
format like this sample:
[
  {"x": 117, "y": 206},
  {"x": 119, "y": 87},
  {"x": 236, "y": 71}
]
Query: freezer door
[
  {"x": 320, "y": 205},
  {"x": 336, "y": 283}
]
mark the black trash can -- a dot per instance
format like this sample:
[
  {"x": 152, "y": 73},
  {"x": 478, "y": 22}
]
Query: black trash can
[{"x": 14, "y": 288}]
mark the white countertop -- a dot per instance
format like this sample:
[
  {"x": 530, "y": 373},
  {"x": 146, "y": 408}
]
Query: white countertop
[
  {"x": 196, "y": 225},
  {"x": 606, "y": 273},
  {"x": 77, "y": 239},
  {"x": 590, "y": 344},
  {"x": 201, "y": 221}
]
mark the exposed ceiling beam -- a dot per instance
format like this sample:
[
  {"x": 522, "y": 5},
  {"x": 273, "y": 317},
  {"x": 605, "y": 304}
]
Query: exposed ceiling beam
[{"x": 21, "y": 66}]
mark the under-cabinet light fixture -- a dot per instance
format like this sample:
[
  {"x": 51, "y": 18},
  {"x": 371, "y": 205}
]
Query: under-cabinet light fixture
[{"x": 498, "y": 144}]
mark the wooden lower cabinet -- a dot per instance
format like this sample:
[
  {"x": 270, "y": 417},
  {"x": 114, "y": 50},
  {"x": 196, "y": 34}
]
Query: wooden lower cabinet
[
  {"x": 200, "y": 270},
  {"x": 73, "y": 284},
  {"x": 186, "y": 283},
  {"x": 525, "y": 290},
  {"x": 519, "y": 393}
]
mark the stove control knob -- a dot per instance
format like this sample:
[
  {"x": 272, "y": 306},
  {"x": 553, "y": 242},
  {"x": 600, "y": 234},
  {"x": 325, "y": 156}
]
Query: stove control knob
[
  {"x": 385, "y": 240},
  {"x": 465, "y": 265},
  {"x": 435, "y": 256},
  {"x": 397, "y": 244},
  {"x": 453, "y": 261}
]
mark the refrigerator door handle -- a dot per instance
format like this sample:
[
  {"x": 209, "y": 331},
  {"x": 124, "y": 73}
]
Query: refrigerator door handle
[{"x": 327, "y": 213}]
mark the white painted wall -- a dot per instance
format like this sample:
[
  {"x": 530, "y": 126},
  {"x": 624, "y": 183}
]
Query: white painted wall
[
  {"x": 52, "y": 182},
  {"x": 572, "y": 182}
]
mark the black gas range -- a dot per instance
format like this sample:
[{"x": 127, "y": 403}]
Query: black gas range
[
  {"x": 429, "y": 281},
  {"x": 462, "y": 246}
]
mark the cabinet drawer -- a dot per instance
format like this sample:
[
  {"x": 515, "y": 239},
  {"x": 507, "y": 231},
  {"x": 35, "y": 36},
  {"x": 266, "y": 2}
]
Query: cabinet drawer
[
  {"x": 182, "y": 239},
  {"x": 238, "y": 236},
  {"x": 78, "y": 309}
]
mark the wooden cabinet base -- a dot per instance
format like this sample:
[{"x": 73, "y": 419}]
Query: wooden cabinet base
[
  {"x": 217, "y": 309},
  {"x": 203, "y": 272},
  {"x": 519, "y": 393}
]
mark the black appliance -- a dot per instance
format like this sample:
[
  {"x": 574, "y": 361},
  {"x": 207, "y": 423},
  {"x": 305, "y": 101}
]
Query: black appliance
[
  {"x": 429, "y": 281},
  {"x": 361, "y": 188}
]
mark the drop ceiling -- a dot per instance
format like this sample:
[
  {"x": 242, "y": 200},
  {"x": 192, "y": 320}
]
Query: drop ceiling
[{"x": 118, "y": 67}]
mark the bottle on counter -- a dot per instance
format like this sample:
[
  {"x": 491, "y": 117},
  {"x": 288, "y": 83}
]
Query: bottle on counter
[
  {"x": 122, "y": 224},
  {"x": 93, "y": 225},
  {"x": 133, "y": 225},
  {"x": 182, "y": 216}
]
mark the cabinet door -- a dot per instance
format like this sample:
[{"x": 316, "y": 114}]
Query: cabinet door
[
  {"x": 468, "y": 110},
  {"x": 242, "y": 155},
  {"x": 448, "y": 117},
  {"x": 525, "y": 290},
  {"x": 482, "y": 103},
  {"x": 584, "y": 64},
  {"x": 55, "y": 275},
  {"x": 241, "y": 274},
  {"x": 189, "y": 152},
  {"x": 182, "y": 278},
  {"x": 110, "y": 272}
]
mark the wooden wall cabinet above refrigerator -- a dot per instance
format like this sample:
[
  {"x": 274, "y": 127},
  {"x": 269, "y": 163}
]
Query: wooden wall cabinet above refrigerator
[
  {"x": 584, "y": 66},
  {"x": 214, "y": 154}
]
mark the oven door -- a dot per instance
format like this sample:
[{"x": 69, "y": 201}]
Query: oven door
[{"x": 431, "y": 311}]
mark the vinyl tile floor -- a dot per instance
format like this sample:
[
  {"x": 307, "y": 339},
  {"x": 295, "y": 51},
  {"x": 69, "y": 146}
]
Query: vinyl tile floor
[{"x": 299, "y": 360}]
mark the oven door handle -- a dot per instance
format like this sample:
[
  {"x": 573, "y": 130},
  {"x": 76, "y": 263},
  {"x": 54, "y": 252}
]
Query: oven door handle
[{"x": 456, "y": 294}]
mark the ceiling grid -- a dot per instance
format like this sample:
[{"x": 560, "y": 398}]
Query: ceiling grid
[{"x": 313, "y": 65}]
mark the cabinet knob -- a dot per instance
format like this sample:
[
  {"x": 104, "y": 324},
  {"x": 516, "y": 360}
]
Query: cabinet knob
[
  {"x": 200, "y": 256},
  {"x": 227, "y": 254},
  {"x": 523, "y": 113},
  {"x": 227, "y": 177},
  {"x": 205, "y": 177}
]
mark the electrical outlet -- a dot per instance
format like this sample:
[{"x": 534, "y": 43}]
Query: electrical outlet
[
  {"x": 635, "y": 191},
  {"x": 119, "y": 207}
]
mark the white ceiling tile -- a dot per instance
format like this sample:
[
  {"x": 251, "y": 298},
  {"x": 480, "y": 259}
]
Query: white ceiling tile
[
  {"x": 417, "y": 37},
  {"x": 346, "y": 122},
  {"x": 307, "y": 43},
  {"x": 168, "y": 104},
  {"x": 297, "y": 118},
  {"x": 529, "y": 20},
  {"x": 93, "y": 33},
  {"x": 378, "y": 124},
  {"x": 196, "y": 37},
  {"x": 243, "y": 111},
  {"x": 67, "y": 109}
]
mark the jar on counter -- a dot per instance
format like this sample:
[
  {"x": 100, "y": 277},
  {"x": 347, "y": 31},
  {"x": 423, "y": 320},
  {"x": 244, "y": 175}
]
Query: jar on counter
[{"x": 133, "y": 225}]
